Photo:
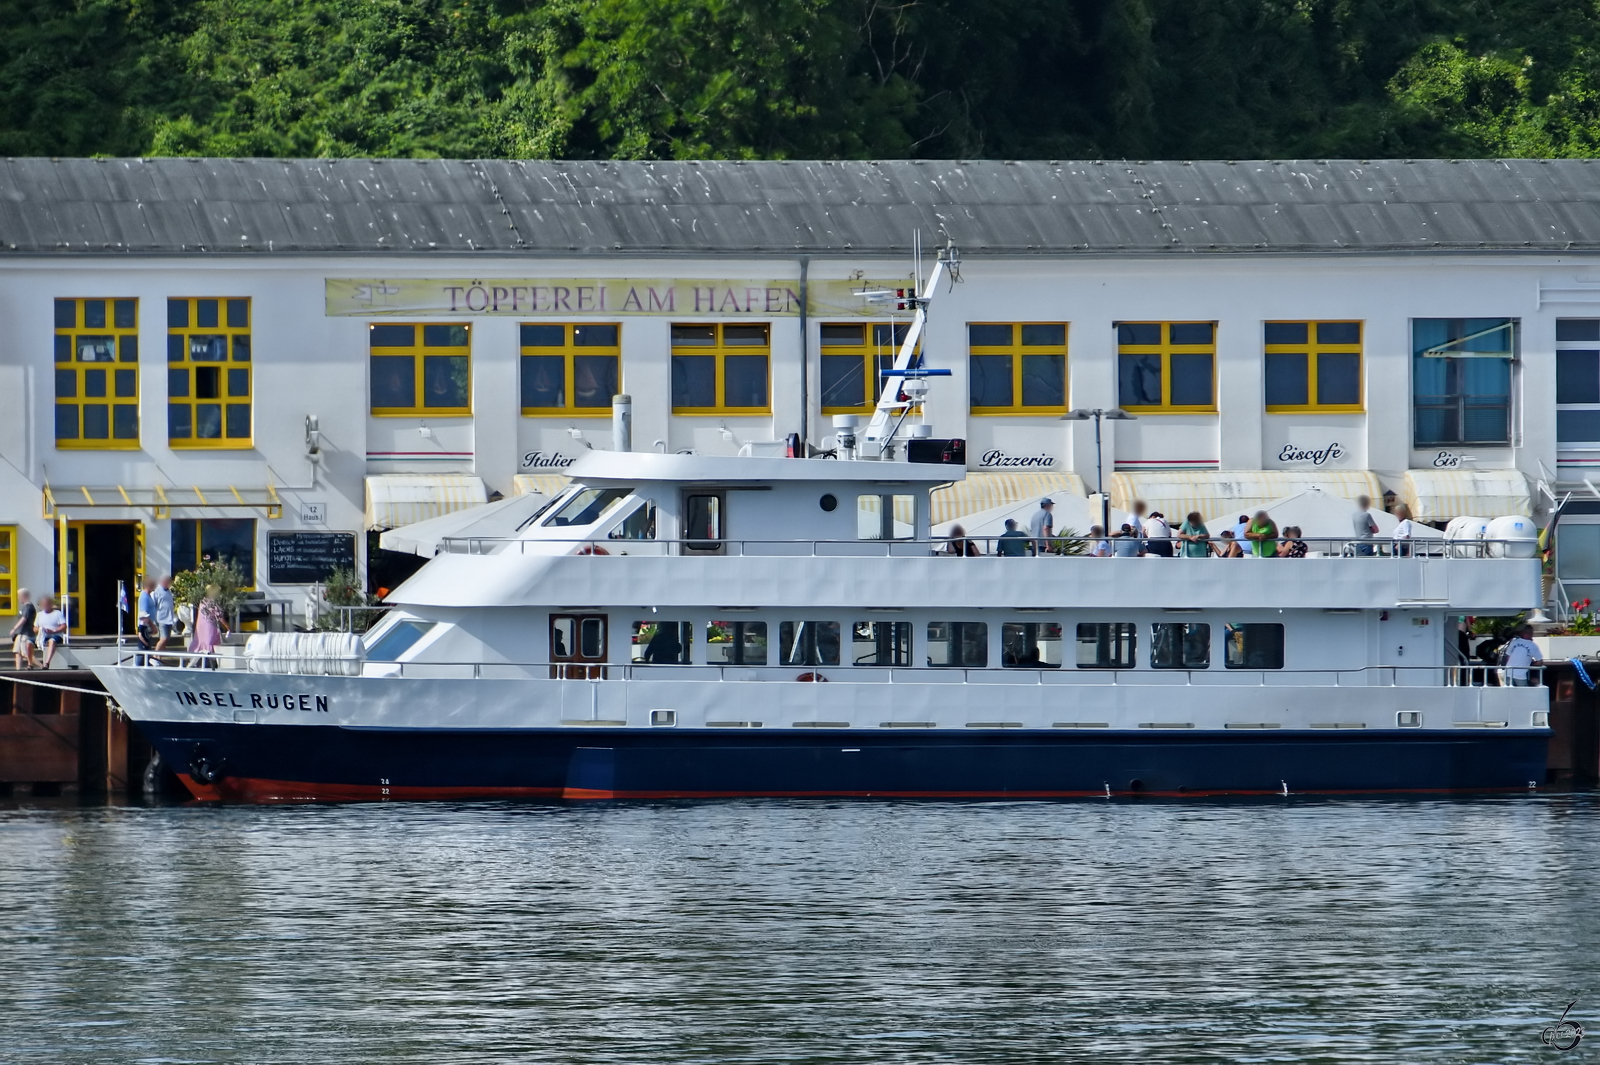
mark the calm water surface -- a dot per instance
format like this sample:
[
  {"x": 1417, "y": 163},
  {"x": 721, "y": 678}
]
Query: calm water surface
[{"x": 1292, "y": 930}]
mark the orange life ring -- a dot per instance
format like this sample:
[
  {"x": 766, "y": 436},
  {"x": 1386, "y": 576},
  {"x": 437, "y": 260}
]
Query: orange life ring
[
  {"x": 593, "y": 549},
  {"x": 812, "y": 678}
]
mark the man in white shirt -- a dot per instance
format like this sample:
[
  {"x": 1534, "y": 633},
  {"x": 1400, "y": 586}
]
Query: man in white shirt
[
  {"x": 52, "y": 627},
  {"x": 1042, "y": 526},
  {"x": 1158, "y": 534},
  {"x": 1365, "y": 526},
  {"x": 1521, "y": 654},
  {"x": 1406, "y": 530}
]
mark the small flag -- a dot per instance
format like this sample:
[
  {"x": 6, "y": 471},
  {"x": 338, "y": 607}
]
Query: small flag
[{"x": 122, "y": 597}]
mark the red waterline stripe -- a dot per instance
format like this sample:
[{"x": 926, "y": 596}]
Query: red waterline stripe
[{"x": 259, "y": 790}]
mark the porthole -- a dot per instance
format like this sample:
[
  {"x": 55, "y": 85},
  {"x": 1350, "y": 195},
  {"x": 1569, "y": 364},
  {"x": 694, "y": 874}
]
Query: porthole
[{"x": 829, "y": 502}]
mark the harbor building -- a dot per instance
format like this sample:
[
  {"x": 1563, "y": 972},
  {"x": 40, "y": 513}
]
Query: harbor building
[{"x": 272, "y": 361}]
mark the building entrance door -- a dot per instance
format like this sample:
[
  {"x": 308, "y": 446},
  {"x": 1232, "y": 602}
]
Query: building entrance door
[{"x": 97, "y": 555}]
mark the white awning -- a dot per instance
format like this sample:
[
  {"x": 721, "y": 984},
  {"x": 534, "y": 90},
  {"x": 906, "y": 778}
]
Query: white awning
[
  {"x": 549, "y": 485},
  {"x": 1439, "y": 495},
  {"x": 984, "y": 490},
  {"x": 1214, "y": 492},
  {"x": 396, "y": 499}
]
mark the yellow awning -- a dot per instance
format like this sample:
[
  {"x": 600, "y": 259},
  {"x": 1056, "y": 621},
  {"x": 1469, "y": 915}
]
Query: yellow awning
[
  {"x": 160, "y": 498},
  {"x": 1214, "y": 492},
  {"x": 1439, "y": 495},
  {"x": 396, "y": 499},
  {"x": 544, "y": 484},
  {"x": 983, "y": 490}
]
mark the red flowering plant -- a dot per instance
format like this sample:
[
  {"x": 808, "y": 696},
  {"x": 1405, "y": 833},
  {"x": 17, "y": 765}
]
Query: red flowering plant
[{"x": 1582, "y": 621}]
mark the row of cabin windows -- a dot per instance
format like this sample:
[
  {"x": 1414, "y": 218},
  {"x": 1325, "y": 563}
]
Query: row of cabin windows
[{"x": 1027, "y": 645}]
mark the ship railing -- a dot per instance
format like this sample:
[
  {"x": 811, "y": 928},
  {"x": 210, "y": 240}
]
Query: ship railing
[
  {"x": 991, "y": 546},
  {"x": 1381, "y": 676}
]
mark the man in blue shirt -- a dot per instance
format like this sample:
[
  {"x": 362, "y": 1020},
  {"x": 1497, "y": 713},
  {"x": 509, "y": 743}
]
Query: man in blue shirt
[
  {"x": 166, "y": 611},
  {"x": 1013, "y": 542}
]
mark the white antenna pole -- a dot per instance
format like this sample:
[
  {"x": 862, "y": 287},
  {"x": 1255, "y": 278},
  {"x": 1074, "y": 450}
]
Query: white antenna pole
[{"x": 878, "y": 431}]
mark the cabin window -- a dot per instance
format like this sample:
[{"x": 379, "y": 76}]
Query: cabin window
[
  {"x": 97, "y": 374},
  {"x": 1030, "y": 644},
  {"x": 736, "y": 643},
  {"x": 1180, "y": 646},
  {"x": 397, "y": 640},
  {"x": 702, "y": 522},
  {"x": 420, "y": 369},
  {"x": 1018, "y": 368},
  {"x": 880, "y": 643},
  {"x": 663, "y": 643},
  {"x": 1166, "y": 367},
  {"x": 886, "y": 517},
  {"x": 587, "y": 507},
  {"x": 1107, "y": 644},
  {"x": 720, "y": 369},
  {"x": 640, "y": 525},
  {"x": 854, "y": 356},
  {"x": 230, "y": 541},
  {"x": 808, "y": 643},
  {"x": 570, "y": 369},
  {"x": 1313, "y": 366},
  {"x": 1255, "y": 646},
  {"x": 958, "y": 643}
]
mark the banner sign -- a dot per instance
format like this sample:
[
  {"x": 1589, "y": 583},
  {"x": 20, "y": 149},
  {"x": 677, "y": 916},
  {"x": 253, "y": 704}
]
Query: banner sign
[{"x": 613, "y": 297}]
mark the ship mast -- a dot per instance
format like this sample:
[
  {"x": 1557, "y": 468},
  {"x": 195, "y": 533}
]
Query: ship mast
[{"x": 881, "y": 430}]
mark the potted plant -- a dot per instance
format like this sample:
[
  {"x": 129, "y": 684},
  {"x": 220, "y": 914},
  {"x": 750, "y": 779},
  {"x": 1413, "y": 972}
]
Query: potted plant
[{"x": 1576, "y": 639}]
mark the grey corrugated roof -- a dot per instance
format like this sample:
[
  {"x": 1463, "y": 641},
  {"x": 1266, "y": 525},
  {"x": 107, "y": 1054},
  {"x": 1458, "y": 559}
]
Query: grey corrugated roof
[{"x": 164, "y": 206}]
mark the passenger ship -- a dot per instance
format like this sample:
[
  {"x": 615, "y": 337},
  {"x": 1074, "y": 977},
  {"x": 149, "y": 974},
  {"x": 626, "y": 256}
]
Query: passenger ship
[{"x": 695, "y": 626}]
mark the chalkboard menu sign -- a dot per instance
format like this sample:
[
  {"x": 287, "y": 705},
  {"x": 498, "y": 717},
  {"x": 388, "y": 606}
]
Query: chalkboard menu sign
[{"x": 308, "y": 557}]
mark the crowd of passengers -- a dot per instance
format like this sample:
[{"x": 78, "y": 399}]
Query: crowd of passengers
[{"x": 1150, "y": 533}]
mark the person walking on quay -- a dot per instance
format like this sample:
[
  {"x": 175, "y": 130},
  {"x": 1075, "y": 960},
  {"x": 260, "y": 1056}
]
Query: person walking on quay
[
  {"x": 22, "y": 633},
  {"x": 52, "y": 629},
  {"x": 209, "y": 627},
  {"x": 166, "y": 611},
  {"x": 1263, "y": 535},
  {"x": 1521, "y": 654},
  {"x": 1365, "y": 526},
  {"x": 1013, "y": 542},
  {"x": 1042, "y": 526},
  {"x": 1194, "y": 537}
]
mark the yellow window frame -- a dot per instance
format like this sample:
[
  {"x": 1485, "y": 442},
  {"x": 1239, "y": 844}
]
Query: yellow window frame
[
  {"x": 1311, "y": 350},
  {"x": 721, "y": 350},
  {"x": 569, "y": 353},
  {"x": 419, "y": 352},
  {"x": 1166, "y": 349},
  {"x": 872, "y": 354},
  {"x": 252, "y": 579},
  {"x": 103, "y": 373},
  {"x": 1017, "y": 350},
  {"x": 231, "y": 370},
  {"x": 8, "y": 569}
]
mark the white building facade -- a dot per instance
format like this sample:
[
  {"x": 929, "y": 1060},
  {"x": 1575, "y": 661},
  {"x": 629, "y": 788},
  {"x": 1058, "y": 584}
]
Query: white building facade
[{"x": 267, "y": 361}]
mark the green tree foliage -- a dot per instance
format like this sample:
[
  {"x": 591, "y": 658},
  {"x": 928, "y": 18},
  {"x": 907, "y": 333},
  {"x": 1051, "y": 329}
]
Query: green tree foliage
[{"x": 765, "y": 79}]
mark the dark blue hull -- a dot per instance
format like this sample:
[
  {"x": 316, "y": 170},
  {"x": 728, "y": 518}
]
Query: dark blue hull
[{"x": 264, "y": 763}]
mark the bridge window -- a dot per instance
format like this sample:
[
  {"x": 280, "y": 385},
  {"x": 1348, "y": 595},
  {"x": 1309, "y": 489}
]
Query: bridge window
[{"x": 886, "y": 517}]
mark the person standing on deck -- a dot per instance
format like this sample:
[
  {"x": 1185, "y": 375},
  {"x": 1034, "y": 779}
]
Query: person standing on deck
[
  {"x": 1013, "y": 542},
  {"x": 1042, "y": 526},
  {"x": 1263, "y": 536},
  {"x": 1521, "y": 654},
  {"x": 166, "y": 612},
  {"x": 1365, "y": 526}
]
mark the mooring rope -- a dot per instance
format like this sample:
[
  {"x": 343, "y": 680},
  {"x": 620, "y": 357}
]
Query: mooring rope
[{"x": 57, "y": 687}]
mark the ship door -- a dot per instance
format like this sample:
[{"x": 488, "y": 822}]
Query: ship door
[
  {"x": 705, "y": 522},
  {"x": 577, "y": 646},
  {"x": 95, "y": 557}
]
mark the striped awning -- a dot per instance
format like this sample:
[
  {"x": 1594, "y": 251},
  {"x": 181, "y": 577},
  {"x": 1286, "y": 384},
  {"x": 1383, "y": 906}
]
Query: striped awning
[
  {"x": 1215, "y": 492},
  {"x": 544, "y": 484},
  {"x": 396, "y": 499},
  {"x": 1439, "y": 495},
  {"x": 984, "y": 490}
]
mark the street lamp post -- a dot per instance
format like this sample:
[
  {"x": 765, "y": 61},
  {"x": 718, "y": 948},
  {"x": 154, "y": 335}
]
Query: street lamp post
[{"x": 1115, "y": 414}]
